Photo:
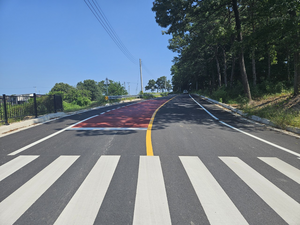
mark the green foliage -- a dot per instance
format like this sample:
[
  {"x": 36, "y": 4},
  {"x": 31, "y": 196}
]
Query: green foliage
[
  {"x": 204, "y": 35},
  {"x": 90, "y": 87},
  {"x": 151, "y": 85},
  {"x": 82, "y": 101},
  {"x": 163, "y": 94},
  {"x": 87, "y": 93},
  {"x": 147, "y": 96}
]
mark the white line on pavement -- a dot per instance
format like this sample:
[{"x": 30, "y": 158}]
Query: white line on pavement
[
  {"x": 19, "y": 201},
  {"x": 46, "y": 138},
  {"x": 15, "y": 164},
  {"x": 280, "y": 202},
  {"x": 250, "y": 135},
  {"x": 108, "y": 128},
  {"x": 218, "y": 207},
  {"x": 283, "y": 167},
  {"x": 85, "y": 204},
  {"x": 151, "y": 204}
]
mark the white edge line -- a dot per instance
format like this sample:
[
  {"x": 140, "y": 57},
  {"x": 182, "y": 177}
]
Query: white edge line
[
  {"x": 250, "y": 135},
  {"x": 47, "y": 137},
  {"x": 204, "y": 108},
  {"x": 108, "y": 128},
  {"x": 262, "y": 140}
]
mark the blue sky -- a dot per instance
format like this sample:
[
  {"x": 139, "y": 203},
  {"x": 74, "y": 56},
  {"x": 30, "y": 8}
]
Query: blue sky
[{"x": 46, "y": 42}]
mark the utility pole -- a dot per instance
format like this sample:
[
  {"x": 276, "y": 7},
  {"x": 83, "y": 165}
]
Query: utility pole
[
  {"x": 106, "y": 86},
  {"x": 141, "y": 76}
]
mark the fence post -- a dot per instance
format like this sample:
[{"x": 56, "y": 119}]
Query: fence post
[
  {"x": 5, "y": 110},
  {"x": 54, "y": 99},
  {"x": 35, "y": 106}
]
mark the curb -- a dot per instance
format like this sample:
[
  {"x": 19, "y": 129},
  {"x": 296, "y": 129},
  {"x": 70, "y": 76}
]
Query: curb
[
  {"x": 18, "y": 126},
  {"x": 255, "y": 118}
]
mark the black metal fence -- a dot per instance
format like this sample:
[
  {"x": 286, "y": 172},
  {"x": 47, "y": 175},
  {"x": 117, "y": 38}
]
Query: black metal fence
[{"x": 19, "y": 107}]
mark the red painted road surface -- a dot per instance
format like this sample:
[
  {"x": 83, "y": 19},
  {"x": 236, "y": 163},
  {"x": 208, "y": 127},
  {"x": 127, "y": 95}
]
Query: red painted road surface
[{"x": 132, "y": 116}]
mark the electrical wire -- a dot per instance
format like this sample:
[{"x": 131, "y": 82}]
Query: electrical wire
[
  {"x": 100, "y": 17},
  {"x": 113, "y": 31},
  {"x": 103, "y": 20}
]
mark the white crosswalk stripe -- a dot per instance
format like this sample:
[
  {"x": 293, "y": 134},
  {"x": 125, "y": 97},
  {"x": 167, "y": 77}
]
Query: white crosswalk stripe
[
  {"x": 18, "y": 202},
  {"x": 217, "y": 205},
  {"x": 15, "y": 164},
  {"x": 283, "y": 167},
  {"x": 151, "y": 203},
  {"x": 279, "y": 201},
  {"x": 84, "y": 206}
]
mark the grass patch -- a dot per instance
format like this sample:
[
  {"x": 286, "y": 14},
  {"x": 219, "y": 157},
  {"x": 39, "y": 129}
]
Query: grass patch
[{"x": 273, "y": 102}]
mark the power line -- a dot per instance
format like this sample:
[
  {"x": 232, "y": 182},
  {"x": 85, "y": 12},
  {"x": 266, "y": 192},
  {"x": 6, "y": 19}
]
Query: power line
[
  {"x": 103, "y": 20},
  {"x": 112, "y": 29},
  {"x": 147, "y": 70},
  {"x": 108, "y": 28}
]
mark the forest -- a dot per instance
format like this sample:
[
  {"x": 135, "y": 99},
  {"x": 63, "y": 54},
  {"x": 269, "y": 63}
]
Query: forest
[{"x": 239, "y": 48}]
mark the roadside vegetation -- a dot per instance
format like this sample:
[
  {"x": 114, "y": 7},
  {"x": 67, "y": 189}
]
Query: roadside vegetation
[
  {"x": 244, "y": 53},
  {"x": 87, "y": 94},
  {"x": 273, "y": 101}
]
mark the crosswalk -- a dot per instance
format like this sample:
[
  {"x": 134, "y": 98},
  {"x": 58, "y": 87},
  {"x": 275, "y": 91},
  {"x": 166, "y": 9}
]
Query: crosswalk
[{"x": 151, "y": 202}]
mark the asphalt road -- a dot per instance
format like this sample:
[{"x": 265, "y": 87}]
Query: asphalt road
[{"x": 209, "y": 167}]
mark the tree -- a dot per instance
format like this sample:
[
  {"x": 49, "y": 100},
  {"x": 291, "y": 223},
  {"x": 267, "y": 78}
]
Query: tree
[
  {"x": 115, "y": 88},
  {"x": 169, "y": 86},
  {"x": 241, "y": 51},
  {"x": 91, "y": 86},
  {"x": 161, "y": 83},
  {"x": 151, "y": 85},
  {"x": 61, "y": 87}
]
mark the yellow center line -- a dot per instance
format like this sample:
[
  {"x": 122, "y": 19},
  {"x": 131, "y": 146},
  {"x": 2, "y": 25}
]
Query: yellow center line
[{"x": 149, "y": 148}]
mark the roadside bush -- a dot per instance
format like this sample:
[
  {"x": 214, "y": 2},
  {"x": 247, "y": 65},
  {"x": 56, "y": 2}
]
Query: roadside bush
[
  {"x": 147, "y": 96},
  {"x": 220, "y": 95},
  {"x": 82, "y": 101}
]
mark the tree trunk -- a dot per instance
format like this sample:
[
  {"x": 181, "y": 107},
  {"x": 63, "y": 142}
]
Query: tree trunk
[
  {"x": 218, "y": 67},
  {"x": 225, "y": 67},
  {"x": 232, "y": 71},
  {"x": 288, "y": 66},
  {"x": 213, "y": 81},
  {"x": 241, "y": 54},
  {"x": 296, "y": 73},
  {"x": 253, "y": 67},
  {"x": 269, "y": 65}
]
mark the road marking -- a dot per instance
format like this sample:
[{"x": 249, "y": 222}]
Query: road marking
[
  {"x": 108, "y": 128},
  {"x": 250, "y": 135},
  {"x": 12, "y": 166},
  {"x": 204, "y": 109},
  {"x": 283, "y": 167},
  {"x": 18, "y": 202},
  {"x": 149, "y": 148},
  {"x": 280, "y": 202},
  {"x": 85, "y": 204},
  {"x": 218, "y": 207},
  {"x": 48, "y": 137},
  {"x": 262, "y": 140},
  {"x": 151, "y": 204}
]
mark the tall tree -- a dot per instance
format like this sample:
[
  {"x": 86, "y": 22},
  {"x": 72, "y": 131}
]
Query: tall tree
[
  {"x": 91, "y": 86},
  {"x": 151, "y": 85},
  {"x": 241, "y": 51}
]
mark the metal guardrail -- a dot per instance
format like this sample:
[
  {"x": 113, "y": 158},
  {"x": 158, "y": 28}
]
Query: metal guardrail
[{"x": 123, "y": 96}]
